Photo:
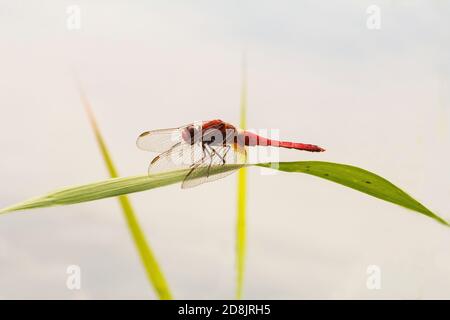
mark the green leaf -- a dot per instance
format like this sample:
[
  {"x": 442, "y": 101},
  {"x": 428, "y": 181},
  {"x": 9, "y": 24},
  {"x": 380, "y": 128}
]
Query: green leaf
[
  {"x": 107, "y": 188},
  {"x": 346, "y": 175},
  {"x": 358, "y": 179},
  {"x": 241, "y": 196},
  {"x": 148, "y": 259}
]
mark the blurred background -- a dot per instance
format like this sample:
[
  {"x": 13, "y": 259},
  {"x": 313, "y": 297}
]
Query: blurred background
[{"x": 375, "y": 98}]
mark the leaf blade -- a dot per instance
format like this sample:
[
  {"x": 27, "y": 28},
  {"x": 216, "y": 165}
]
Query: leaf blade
[
  {"x": 241, "y": 196},
  {"x": 154, "y": 273},
  {"x": 119, "y": 186},
  {"x": 108, "y": 188},
  {"x": 360, "y": 180}
]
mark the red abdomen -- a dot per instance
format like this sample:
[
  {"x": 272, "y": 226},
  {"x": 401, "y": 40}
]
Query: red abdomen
[{"x": 252, "y": 139}]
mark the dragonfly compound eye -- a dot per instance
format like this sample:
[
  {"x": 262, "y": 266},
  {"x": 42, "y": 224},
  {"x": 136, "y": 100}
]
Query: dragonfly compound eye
[{"x": 190, "y": 134}]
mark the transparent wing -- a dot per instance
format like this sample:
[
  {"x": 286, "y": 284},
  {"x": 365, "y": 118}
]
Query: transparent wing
[
  {"x": 159, "y": 140},
  {"x": 207, "y": 169},
  {"x": 179, "y": 156}
]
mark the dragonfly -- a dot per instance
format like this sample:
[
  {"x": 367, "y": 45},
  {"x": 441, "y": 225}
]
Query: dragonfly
[{"x": 202, "y": 148}]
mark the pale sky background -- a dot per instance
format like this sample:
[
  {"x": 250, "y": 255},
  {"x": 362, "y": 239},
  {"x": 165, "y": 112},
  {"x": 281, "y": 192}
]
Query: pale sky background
[{"x": 378, "y": 99}]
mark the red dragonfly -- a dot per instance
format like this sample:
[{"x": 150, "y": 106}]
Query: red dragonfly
[{"x": 200, "y": 146}]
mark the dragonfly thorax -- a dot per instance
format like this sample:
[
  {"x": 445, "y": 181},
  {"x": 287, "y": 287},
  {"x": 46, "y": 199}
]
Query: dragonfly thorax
[{"x": 219, "y": 135}]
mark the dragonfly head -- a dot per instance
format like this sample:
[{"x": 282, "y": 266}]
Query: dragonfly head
[{"x": 191, "y": 134}]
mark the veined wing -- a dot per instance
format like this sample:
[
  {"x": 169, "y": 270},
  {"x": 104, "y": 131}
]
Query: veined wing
[
  {"x": 205, "y": 169},
  {"x": 179, "y": 156},
  {"x": 159, "y": 140}
]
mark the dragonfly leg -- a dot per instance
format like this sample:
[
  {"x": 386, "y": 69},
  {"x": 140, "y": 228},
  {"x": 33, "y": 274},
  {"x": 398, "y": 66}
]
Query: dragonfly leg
[
  {"x": 211, "y": 153},
  {"x": 203, "y": 157},
  {"x": 222, "y": 157},
  {"x": 225, "y": 154}
]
